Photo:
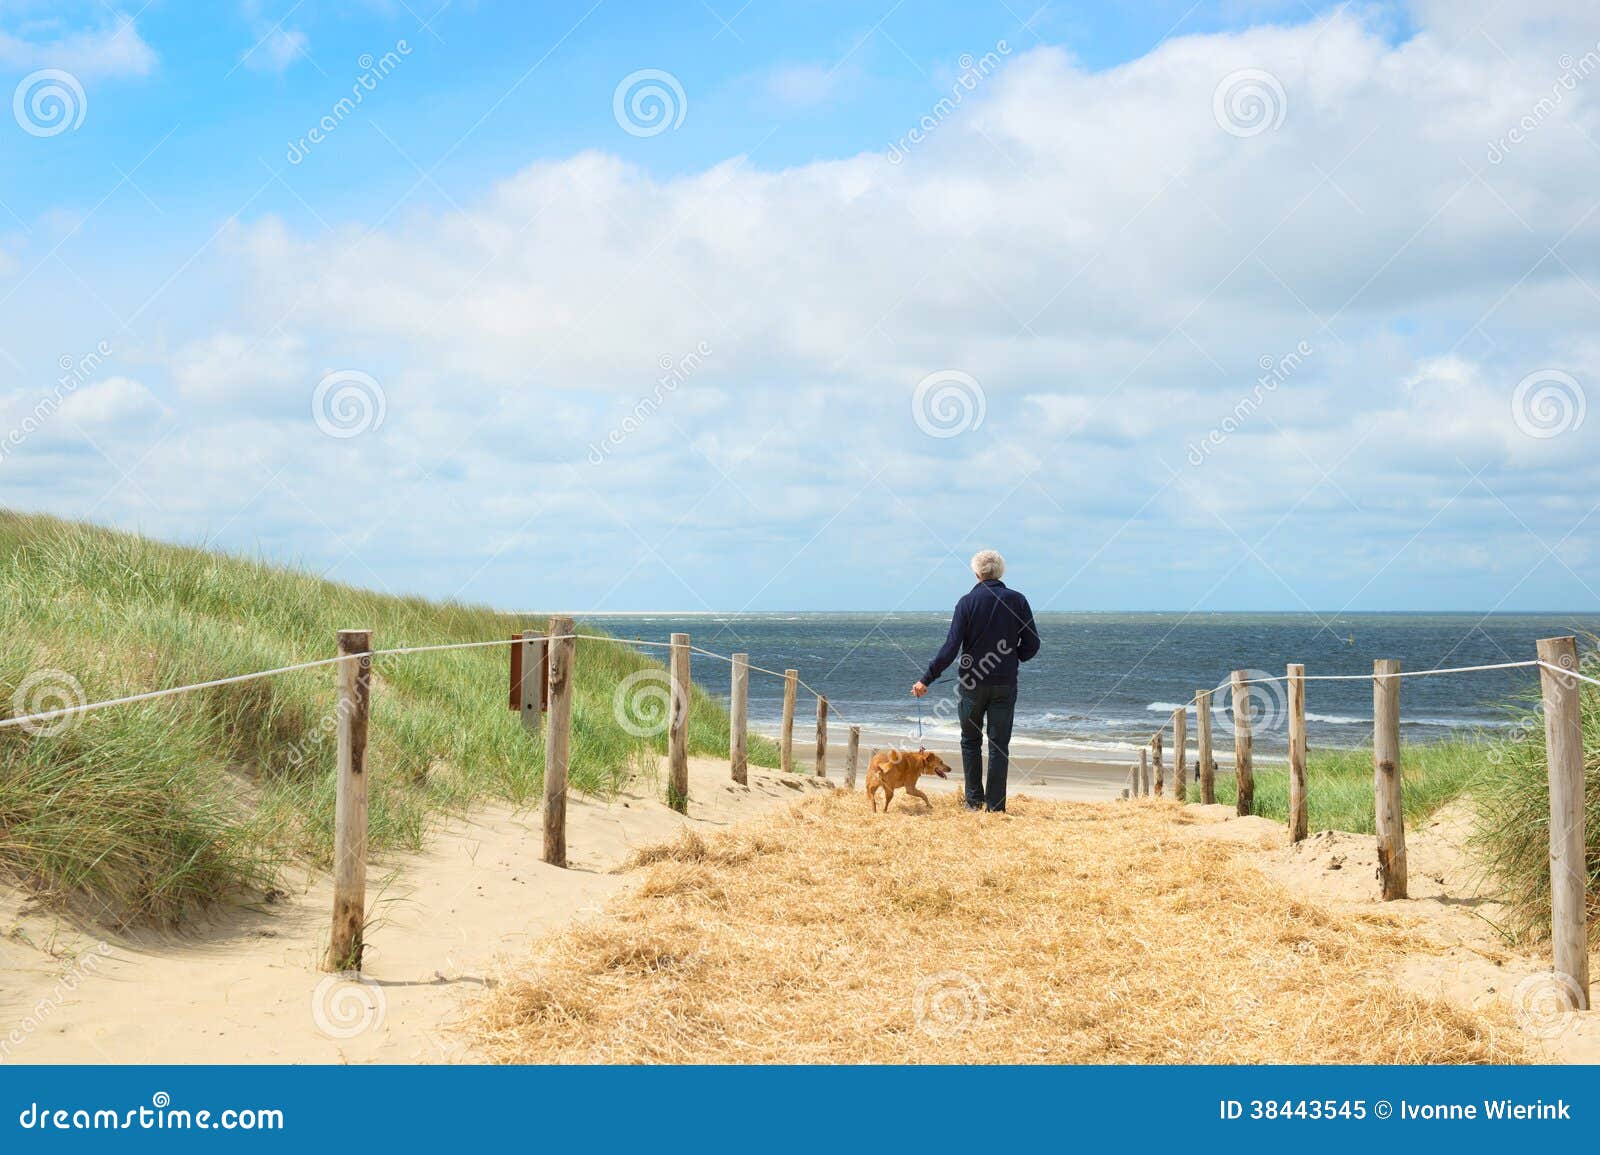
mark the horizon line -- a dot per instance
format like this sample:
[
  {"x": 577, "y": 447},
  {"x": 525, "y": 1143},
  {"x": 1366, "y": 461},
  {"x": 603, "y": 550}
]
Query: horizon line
[{"x": 1190, "y": 613}]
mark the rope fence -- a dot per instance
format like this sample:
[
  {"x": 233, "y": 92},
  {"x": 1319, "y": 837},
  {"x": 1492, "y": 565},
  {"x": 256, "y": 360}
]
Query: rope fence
[
  {"x": 541, "y": 689},
  {"x": 1559, "y": 677}
]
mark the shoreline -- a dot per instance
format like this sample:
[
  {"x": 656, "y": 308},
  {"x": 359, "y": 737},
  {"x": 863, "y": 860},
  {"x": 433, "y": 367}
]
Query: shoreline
[
  {"x": 470, "y": 910},
  {"x": 1037, "y": 769}
]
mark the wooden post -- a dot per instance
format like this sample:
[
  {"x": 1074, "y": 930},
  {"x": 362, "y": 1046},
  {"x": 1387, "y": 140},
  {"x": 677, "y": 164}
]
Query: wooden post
[
  {"x": 1388, "y": 812},
  {"x": 1133, "y": 782},
  {"x": 852, "y": 755},
  {"x": 1144, "y": 771},
  {"x": 822, "y": 737},
  {"x": 350, "y": 802},
  {"x": 534, "y": 672},
  {"x": 678, "y": 728},
  {"x": 1155, "y": 756},
  {"x": 1244, "y": 772},
  {"x": 1299, "y": 812},
  {"x": 1563, "y": 742},
  {"x": 791, "y": 683},
  {"x": 1180, "y": 741},
  {"x": 1206, "y": 762},
  {"x": 739, "y": 720},
  {"x": 557, "y": 737}
]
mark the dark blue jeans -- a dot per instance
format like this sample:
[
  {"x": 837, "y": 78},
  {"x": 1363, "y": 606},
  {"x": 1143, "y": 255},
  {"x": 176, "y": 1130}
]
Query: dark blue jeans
[{"x": 994, "y": 707}]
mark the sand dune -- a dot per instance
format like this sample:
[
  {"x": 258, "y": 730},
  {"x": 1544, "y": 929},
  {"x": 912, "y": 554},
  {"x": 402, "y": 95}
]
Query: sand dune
[{"x": 246, "y": 988}]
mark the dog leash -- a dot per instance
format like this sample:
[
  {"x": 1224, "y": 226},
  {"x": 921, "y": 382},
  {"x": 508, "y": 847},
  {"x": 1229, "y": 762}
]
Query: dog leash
[{"x": 919, "y": 717}]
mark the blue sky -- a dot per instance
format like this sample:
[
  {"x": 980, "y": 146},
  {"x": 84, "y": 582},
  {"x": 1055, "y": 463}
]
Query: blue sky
[{"x": 1214, "y": 306}]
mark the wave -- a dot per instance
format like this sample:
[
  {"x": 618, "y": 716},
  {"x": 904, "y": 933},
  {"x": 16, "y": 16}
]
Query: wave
[
  {"x": 1327, "y": 719},
  {"x": 1080, "y": 743}
]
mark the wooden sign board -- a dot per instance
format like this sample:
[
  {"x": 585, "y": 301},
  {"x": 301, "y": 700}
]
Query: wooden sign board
[
  {"x": 516, "y": 671},
  {"x": 515, "y": 698}
]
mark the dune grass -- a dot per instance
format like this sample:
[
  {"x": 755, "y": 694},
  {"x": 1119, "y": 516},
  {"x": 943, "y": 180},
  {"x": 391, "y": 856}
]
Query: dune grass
[
  {"x": 1339, "y": 793},
  {"x": 1502, "y": 775},
  {"x": 152, "y": 810},
  {"x": 1055, "y": 933},
  {"x": 1511, "y": 794}
]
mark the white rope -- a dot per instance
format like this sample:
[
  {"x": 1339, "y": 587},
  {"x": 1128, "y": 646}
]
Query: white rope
[
  {"x": 69, "y": 711},
  {"x": 1569, "y": 673},
  {"x": 1399, "y": 674},
  {"x": 1373, "y": 677},
  {"x": 172, "y": 691}
]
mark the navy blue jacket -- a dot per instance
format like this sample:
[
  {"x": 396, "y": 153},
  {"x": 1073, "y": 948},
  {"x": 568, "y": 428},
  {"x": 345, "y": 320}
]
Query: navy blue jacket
[{"x": 992, "y": 629}]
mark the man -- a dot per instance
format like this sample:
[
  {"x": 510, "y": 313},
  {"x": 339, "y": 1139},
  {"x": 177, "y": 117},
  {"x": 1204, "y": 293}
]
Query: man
[{"x": 992, "y": 629}]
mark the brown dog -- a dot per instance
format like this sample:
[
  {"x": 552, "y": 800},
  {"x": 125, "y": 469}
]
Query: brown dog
[{"x": 892, "y": 770}]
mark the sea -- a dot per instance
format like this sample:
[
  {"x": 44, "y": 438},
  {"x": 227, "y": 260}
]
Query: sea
[{"x": 1103, "y": 682}]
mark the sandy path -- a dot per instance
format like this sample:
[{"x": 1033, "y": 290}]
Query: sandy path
[
  {"x": 246, "y": 987},
  {"x": 1475, "y": 965}
]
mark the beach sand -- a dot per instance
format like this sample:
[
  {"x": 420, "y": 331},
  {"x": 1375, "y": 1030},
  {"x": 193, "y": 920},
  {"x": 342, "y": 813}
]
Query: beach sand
[
  {"x": 1039, "y": 770},
  {"x": 246, "y": 986},
  {"x": 1448, "y": 899}
]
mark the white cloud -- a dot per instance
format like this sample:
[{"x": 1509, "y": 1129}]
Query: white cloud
[
  {"x": 115, "y": 403},
  {"x": 240, "y": 372},
  {"x": 804, "y": 85},
  {"x": 113, "y": 49},
  {"x": 275, "y": 48},
  {"x": 1098, "y": 252}
]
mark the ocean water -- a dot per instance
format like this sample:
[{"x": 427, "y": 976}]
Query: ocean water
[{"x": 1103, "y": 682}]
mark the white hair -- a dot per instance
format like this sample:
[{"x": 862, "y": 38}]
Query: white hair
[{"x": 987, "y": 564}]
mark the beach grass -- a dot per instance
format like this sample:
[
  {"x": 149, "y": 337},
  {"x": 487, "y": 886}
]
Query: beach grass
[
  {"x": 1055, "y": 933},
  {"x": 1501, "y": 775},
  {"x": 1511, "y": 797},
  {"x": 1339, "y": 793},
  {"x": 150, "y": 811}
]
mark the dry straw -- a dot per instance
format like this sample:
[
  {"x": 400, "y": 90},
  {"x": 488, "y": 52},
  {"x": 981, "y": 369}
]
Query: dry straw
[{"x": 1059, "y": 933}]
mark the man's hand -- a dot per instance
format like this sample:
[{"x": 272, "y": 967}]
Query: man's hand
[{"x": 918, "y": 690}]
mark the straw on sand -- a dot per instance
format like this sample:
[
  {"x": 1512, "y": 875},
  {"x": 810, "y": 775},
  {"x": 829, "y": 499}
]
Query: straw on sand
[{"x": 1057, "y": 933}]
